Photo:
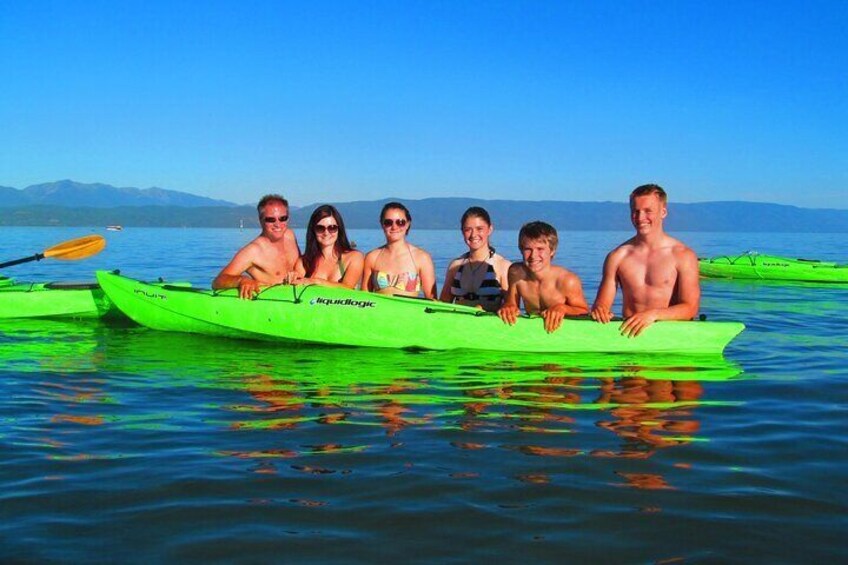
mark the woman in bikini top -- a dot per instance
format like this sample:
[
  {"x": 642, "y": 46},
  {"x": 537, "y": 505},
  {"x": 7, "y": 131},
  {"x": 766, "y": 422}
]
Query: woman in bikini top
[
  {"x": 329, "y": 258},
  {"x": 398, "y": 267},
  {"x": 478, "y": 277}
]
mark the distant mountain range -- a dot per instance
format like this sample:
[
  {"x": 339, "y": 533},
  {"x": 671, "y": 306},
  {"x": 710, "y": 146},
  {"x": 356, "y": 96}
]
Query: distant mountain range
[
  {"x": 68, "y": 193},
  {"x": 67, "y": 203}
]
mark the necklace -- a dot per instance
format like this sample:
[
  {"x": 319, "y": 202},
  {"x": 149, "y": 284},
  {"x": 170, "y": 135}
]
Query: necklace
[{"x": 474, "y": 269}]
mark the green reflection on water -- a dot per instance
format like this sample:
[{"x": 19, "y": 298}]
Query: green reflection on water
[{"x": 646, "y": 401}]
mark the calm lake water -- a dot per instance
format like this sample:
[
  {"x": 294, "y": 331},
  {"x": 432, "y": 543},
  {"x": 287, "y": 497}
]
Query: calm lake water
[{"x": 121, "y": 444}]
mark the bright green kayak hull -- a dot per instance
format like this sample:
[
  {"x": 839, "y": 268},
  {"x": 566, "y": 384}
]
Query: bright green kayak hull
[
  {"x": 772, "y": 267},
  {"x": 52, "y": 300},
  {"x": 335, "y": 316},
  {"x": 84, "y": 345}
]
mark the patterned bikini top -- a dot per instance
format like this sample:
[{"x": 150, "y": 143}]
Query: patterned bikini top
[
  {"x": 411, "y": 283},
  {"x": 488, "y": 290}
]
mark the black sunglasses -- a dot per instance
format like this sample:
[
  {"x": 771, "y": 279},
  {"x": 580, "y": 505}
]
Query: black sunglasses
[
  {"x": 272, "y": 219},
  {"x": 387, "y": 223},
  {"x": 332, "y": 228}
]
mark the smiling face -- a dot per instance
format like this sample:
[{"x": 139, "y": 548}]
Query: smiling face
[
  {"x": 327, "y": 231},
  {"x": 274, "y": 218},
  {"x": 476, "y": 232},
  {"x": 537, "y": 253},
  {"x": 647, "y": 213},
  {"x": 395, "y": 224}
]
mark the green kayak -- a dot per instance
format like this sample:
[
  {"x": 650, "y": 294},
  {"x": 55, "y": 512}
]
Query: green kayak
[
  {"x": 52, "y": 300},
  {"x": 335, "y": 316},
  {"x": 771, "y": 267},
  {"x": 58, "y": 300}
]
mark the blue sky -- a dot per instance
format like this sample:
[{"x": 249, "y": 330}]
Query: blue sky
[{"x": 337, "y": 101}]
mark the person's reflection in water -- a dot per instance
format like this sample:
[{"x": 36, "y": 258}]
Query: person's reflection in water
[
  {"x": 391, "y": 411},
  {"x": 276, "y": 395},
  {"x": 477, "y": 412},
  {"x": 652, "y": 414}
]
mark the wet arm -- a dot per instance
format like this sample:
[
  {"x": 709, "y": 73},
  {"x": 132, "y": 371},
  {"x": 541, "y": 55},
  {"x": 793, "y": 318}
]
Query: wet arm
[
  {"x": 353, "y": 270},
  {"x": 428, "y": 276},
  {"x": 575, "y": 301},
  {"x": 292, "y": 249},
  {"x": 688, "y": 290},
  {"x": 510, "y": 311},
  {"x": 445, "y": 295},
  {"x": 574, "y": 305},
  {"x": 365, "y": 281},
  {"x": 602, "y": 307},
  {"x": 232, "y": 275}
]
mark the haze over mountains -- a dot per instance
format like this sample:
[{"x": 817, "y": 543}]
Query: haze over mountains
[
  {"x": 68, "y": 203},
  {"x": 69, "y": 193}
]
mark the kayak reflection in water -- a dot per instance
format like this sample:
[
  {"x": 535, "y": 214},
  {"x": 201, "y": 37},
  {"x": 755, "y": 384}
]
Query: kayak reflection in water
[{"x": 329, "y": 258}]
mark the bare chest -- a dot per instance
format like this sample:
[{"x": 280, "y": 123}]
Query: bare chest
[
  {"x": 539, "y": 295},
  {"x": 651, "y": 270}
]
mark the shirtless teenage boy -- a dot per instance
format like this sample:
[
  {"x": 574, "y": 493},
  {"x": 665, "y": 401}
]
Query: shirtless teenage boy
[
  {"x": 658, "y": 274},
  {"x": 268, "y": 258},
  {"x": 546, "y": 289}
]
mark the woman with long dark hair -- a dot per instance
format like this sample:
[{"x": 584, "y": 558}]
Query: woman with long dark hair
[{"x": 329, "y": 258}]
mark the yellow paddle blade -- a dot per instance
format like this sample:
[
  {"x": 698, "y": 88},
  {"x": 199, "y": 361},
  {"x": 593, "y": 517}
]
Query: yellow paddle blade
[{"x": 79, "y": 248}]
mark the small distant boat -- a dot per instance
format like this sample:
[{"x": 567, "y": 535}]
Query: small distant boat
[
  {"x": 753, "y": 265},
  {"x": 114, "y": 228}
]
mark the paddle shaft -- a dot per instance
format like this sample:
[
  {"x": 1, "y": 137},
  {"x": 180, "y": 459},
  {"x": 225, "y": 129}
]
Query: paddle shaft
[
  {"x": 36, "y": 257},
  {"x": 71, "y": 250}
]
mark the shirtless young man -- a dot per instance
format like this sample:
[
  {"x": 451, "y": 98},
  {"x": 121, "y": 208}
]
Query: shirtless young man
[
  {"x": 657, "y": 273},
  {"x": 268, "y": 258},
  {"x": 546, "y": 289}
]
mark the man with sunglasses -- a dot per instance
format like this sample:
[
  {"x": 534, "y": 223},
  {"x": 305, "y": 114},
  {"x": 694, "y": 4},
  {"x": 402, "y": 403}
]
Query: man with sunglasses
[{"x": 267, "y": 259}]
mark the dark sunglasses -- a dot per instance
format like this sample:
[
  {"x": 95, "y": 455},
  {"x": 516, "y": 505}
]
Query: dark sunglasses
[
  {"x": 332, "y": 228},
  {"x": 272, "y": 219},
  {"x": 387, "y": 223}
]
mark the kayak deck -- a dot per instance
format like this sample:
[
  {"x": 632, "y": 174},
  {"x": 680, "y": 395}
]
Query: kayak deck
[
  {"x": 53, "y": 300},
  {"x": 336, "y": 316},
  {"x": 758, "y": 266}
]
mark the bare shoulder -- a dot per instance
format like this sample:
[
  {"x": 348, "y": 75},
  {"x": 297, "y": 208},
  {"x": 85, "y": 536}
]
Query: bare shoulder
[
  {"x": 419, "y": 253},
  {"x": 456, "y": 263},
  {"x": 564, "y": 276},
  {"x": 622, "y": 250},
  {"x": 353, "y": 254},
  {"x": 254, "y": 247},
  {"x": 501, "y": 262},
  {"x": 683, "y": 254},
  {"x": 517, "y": 272}
]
